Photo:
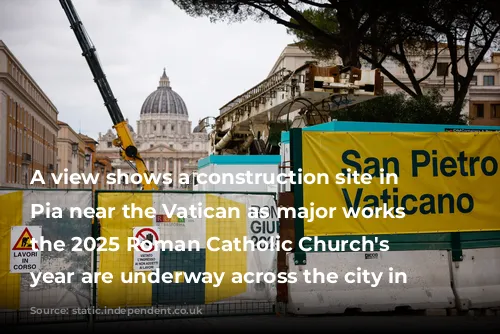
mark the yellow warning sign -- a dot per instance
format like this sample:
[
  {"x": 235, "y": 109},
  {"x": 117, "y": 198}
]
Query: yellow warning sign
[{"x": 24, "y": 241}]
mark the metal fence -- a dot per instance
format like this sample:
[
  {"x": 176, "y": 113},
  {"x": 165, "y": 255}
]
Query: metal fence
[{"x": 98, "y": 301}]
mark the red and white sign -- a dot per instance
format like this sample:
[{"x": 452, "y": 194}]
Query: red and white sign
[
  {"x": 25, "y": 256},
  {"x": 147, "y": 238},
  {"x": 146, "y": 250}
]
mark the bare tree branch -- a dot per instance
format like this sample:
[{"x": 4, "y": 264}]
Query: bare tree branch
[
  {"x": 390, "y": 75},
  {"x": 434, "y": 63}
]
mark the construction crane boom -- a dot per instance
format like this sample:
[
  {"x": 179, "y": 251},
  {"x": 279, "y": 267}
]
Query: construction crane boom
[{"x": 124, "y": 140}]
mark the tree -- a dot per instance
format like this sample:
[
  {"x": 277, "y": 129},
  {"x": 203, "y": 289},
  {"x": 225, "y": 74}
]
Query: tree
[
  {"x": 399, "y": 108},
  {"x": 466, "y": 30},
  {"x": 353, "y": 30},
  {"x": 377, "y": 32},
  {"x": 469, "y": 28},
  {"x": 354, "y": 18}
]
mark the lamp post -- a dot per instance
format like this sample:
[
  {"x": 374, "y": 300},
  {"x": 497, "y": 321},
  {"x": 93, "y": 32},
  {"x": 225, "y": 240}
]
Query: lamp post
[
  {"x": 74, "y": 160},
  {"x": 87, "y": 160},
  {"x": 102, "y": 177},
  {"x": 74, "y": 148},
  {"x": 113, "y": 170},
  {"x": 24, "y": 167},
  {"x": 96, "y": 168}
]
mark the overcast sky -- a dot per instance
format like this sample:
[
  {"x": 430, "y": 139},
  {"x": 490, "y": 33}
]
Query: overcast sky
[{"x": 208, "y": 64}]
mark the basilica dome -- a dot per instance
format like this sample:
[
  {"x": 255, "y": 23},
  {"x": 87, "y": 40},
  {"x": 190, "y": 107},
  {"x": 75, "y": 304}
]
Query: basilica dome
[{"x": 164, "y": 100}]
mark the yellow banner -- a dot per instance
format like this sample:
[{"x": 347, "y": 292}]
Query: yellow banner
[{"x": 441, "y": 182}]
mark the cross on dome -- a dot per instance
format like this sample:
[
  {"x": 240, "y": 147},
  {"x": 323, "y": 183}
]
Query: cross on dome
[{"x": 164, "y": 80}]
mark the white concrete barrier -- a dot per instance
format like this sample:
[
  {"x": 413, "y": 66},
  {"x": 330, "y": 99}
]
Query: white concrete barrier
[
  {"x": 477, "y": 278},
  {"x": 427, "y": 287}
]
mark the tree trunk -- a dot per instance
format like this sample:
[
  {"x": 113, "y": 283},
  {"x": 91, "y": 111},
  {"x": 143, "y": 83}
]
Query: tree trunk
[
  {"x": 374, "y": 51},
  {"x": 349, "y": 53},
  {"x": 351, "y": 41},
  {"x": 458, "y": 104}
]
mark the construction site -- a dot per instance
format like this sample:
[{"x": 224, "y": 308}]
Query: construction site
[{"x": 290, "y": 213}]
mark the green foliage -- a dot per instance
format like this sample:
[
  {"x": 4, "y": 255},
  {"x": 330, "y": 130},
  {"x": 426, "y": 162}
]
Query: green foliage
[
  {"x": 380, "y": 31},
  {"x": 326, "y": 20},
  {"x": 399, "y": 108}
]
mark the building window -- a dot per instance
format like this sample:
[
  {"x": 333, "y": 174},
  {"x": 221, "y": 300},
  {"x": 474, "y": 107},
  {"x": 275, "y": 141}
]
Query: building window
[
  {"x": 163, "y": 128},
  {"x": 110, "y": 144},
  {"x": 442, "y": 69},
  {"x": 495, "y": 111},
  {"x": 154, "y": 128},
  {"x": 473, "y": 81},
  {"x": 479, "y": 110},
  {"x": 14, "y": 140},
  {"x": 172, "y": 128},
  {"x": 489, "y": 80},
  {"x": 10, "y": 138}
]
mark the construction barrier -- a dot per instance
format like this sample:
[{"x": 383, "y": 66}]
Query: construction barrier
[
  {"x": 427, "y": 287},
  {"x": 22, "y": 303},
  {"x": 226, "y": 297},
  {"x": 442, "y": 259},
  {"x": 447, "y": 244},
  {"x": 434, "y": 281},
  {"x": 17, "y": 228},
  {"x": 476, "y": 278}
]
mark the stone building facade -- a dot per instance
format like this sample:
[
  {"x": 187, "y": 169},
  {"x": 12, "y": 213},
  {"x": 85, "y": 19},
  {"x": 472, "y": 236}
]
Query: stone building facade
[{"x": 163, "y": 136}]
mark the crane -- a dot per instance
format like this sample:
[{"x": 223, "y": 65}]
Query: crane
[{"x": 124, "y": 140}]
